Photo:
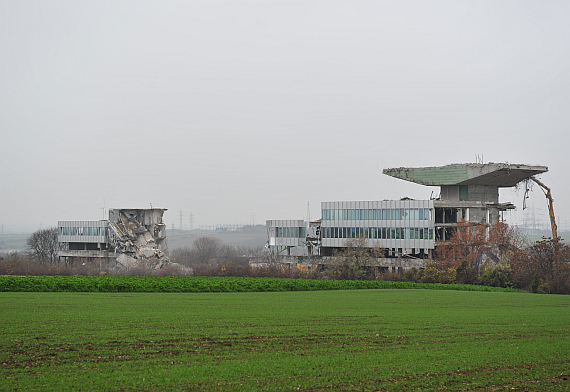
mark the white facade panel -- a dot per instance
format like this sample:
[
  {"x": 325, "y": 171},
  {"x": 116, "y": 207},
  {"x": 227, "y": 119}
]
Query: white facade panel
[
  {"x": 406, "y": 224},
  {"x": 82, "y": 231},
  {"x": 286, "y": 232}
]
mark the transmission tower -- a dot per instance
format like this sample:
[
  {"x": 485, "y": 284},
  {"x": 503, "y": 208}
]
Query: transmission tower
[
  {"x": 191, "y": 220},
  {"x": 180, "y": 220}
]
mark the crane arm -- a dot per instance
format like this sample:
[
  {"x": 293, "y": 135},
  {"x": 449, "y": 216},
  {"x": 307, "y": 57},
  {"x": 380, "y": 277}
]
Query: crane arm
[{"x": 548, "y": 195}]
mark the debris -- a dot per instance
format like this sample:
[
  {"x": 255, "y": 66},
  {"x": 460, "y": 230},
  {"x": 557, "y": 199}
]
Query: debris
[{"x": 138, "y": 235}]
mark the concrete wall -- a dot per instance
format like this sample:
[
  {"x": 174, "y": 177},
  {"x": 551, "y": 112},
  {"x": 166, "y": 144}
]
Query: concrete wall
[
  {"x": 86, "y": 253},
  {"x": 449, "y": 192},
  {"x": 484, "y": 193}
]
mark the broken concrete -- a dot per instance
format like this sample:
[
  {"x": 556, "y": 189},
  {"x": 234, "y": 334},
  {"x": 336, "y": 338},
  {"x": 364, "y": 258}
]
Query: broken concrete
[{"x": 138, "y": 234}]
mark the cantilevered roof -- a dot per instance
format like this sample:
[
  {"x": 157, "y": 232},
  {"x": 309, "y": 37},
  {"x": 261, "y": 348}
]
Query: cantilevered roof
[{"x": 491, "y": 174}]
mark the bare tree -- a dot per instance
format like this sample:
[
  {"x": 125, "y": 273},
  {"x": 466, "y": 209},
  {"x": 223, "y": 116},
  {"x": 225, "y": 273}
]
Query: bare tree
[
  {"x": 185, "y": 256},
  {"x": 43, "y": 245},
  {"x": 207, "y": 249},
  {"x": 354, "y": 261}
]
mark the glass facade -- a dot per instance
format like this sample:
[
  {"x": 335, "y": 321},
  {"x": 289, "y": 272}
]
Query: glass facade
[
  {"x": 290, "y": 232},
  {"x": 380, "y": 233},
  {"x": 405, "y": 224},
  {"x": 377, "y": 214},
  {"x": 84, "y": 231},
  {"x": 392, "y": 224}
]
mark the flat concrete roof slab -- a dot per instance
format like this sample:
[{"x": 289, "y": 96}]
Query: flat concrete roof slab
[{"x": 489, "y": 174}]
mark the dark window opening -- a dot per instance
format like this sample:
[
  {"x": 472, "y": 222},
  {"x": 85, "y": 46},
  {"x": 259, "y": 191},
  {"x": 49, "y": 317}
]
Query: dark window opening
[{"x": 450, "y": 215}]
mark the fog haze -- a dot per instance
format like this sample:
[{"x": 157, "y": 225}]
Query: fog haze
[{"x": 243, "y": 111}]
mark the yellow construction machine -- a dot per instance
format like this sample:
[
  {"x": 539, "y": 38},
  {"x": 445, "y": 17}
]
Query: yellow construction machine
[{"x": 548, "y": 195}]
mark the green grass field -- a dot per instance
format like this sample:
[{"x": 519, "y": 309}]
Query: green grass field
[{"x": 361, "y": 340}]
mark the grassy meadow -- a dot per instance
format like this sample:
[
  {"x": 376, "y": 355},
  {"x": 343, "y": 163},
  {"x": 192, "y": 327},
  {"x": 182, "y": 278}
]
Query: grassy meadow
[{"x": 359, "y": 340}]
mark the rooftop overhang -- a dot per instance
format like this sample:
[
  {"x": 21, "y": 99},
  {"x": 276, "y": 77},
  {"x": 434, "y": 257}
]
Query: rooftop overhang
[{"x": 502, "y": 175}]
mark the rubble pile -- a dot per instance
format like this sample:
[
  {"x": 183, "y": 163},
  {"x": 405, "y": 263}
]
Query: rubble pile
[{"x": 138, "y": 237}]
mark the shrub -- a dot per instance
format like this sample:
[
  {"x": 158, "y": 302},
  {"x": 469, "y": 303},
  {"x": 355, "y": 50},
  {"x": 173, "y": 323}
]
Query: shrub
[
  {"x": 499, "y": 276},
  {"x": 543, "y": 267}
]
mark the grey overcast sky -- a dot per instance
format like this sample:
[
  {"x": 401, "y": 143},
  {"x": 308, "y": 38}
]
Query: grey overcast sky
[{"x": 242, "y": 111}]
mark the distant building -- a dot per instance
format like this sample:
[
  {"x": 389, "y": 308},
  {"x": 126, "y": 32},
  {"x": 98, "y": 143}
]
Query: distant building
[
  {"x": 83, "y": 239},
  {"x": 128, "y": 236},
  {"x": 468, "y": 191},
  {"x": 406, "y": 227}
]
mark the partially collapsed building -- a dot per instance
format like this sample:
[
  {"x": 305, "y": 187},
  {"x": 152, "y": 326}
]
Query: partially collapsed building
[
  {"x": 406, "y": 229},
  {"x": 129, "y": 237},
  {"x": 467, "y": 191}
]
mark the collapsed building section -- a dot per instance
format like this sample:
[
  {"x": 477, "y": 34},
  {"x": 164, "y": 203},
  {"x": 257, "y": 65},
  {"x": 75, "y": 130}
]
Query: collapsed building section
[
  {"x": 128, "y": 238},
  {"x": 137, "y": 234}
]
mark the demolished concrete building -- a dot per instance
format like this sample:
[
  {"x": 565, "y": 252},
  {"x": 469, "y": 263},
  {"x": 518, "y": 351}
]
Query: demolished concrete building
[
  {"x": 129, "y": 238},
  {"x": 406, "y": 229},
  {"x": 137, "y": 234},
  {"x": 468, "y": 191}
]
